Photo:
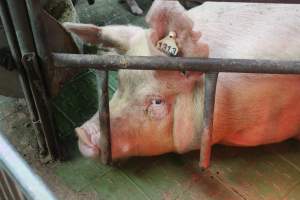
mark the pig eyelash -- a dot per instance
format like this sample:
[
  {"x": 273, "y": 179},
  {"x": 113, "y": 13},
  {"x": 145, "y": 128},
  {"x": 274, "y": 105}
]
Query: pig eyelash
[
  {"x": 157, "y": 109},
  {"x": 156, "y": 101},
  {"x": 153, "y": 99}
]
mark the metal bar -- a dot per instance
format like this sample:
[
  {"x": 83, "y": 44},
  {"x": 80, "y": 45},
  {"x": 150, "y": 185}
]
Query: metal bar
[
  {"x": 20, "y": 22},
  {"x": 15, "y": 51},
  {"x": 6, "y": 179},
  {"x": 29, "y": 61},
  {"x": 33, "y": 187},
  {"x": 5, "y": 187},
  {"x": 3, "y": 194},
  {"x": 40, "y": 38},
  {"x": 208, "y": 117},
  {"x": 42, "y": 122},
  {"x": 115, "y": 62},
  {"x": 44, "y": 109},
  {"x": 105, "y": 139}
]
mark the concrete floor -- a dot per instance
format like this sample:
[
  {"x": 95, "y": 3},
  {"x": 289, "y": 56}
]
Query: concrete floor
[{"x": 262, "y": 173}]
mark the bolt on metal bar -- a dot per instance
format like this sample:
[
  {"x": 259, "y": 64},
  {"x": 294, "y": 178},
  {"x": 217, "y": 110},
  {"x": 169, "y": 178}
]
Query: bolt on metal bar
[
  {"x": 32, "y": 186},
  {"x": 114, "y": 62}
]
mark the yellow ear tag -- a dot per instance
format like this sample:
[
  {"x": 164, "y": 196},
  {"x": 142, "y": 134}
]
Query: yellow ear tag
[{"x": 168, "y": 44}]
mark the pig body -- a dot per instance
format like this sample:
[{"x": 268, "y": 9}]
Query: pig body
[{"x": 155, "y": 112}]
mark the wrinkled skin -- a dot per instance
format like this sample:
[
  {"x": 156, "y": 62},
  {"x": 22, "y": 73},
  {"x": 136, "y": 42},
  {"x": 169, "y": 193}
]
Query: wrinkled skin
[{"x": 155, "y": 112}]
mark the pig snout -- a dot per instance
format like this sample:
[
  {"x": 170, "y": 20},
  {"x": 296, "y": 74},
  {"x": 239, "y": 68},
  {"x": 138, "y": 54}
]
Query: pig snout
[
  {"x": 89, "y": 134},
  {"x": 88, "y": 138}
]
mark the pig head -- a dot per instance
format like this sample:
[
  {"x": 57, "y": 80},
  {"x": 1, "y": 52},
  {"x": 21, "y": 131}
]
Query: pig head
[{"x": 155, "y": 112}]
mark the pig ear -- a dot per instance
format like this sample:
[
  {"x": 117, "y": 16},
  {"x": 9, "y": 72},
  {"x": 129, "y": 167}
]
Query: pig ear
[
  {"x": 87, "y": 32},
  {"x": 116, "y": 36},
  {"x": 179, "y": 81},
  {"x": 166, "y": 16}
]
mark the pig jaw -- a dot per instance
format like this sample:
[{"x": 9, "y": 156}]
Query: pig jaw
[
  {"x": 131, "y": 135},
  {"x": 123, "y": 144}
]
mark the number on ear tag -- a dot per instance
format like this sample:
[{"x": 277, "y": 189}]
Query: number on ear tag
[{"x": 168, "y": 44}]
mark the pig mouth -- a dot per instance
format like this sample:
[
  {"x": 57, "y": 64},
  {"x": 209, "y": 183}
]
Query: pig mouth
[{"x": 88, "y": 143}]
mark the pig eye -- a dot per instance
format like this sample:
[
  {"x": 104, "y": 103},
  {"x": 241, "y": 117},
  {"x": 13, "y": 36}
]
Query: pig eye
[
  {"x": 157, "y": 101},
  {"x": 157, "y": 108}
]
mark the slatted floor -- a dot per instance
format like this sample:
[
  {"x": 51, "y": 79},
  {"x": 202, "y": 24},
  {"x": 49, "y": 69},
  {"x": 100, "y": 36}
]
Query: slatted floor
[{"x": 268, "y": 172}]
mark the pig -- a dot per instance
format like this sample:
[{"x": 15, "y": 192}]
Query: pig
[{"x": 156, "y": 112}]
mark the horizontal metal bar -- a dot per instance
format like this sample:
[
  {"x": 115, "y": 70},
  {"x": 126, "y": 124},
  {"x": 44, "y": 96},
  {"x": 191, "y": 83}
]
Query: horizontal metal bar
[
  {"x": 16, "y": 167},
  {"x": 114, "y": 62}
]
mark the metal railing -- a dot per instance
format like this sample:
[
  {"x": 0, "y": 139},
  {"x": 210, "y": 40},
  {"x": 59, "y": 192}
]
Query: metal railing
[{"x": 47, "y": 59}]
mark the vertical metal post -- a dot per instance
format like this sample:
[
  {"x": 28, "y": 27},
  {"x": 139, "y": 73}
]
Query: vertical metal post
[
  {"x": 15, "y": 51},
  {"x": 105, "y": 137},
  {"x": 40, "y": 38},
  {"x": 42, "y": 118},
  {"x": 209, "y": 101},
  {"x": 44, "y": 58}
]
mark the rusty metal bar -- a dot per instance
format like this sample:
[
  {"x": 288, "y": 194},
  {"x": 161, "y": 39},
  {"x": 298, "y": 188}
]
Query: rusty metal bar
[
  {"x": 42, "y": 121},
  {"x": 40, "y": 38},
  {"x": 115, "y": 62},
  {"x": 10, "y": 189},
  {"x": 43, "y": 61},
  {"x": 210, "y": 66},
  {"x": 210, "y": 83},
  {"x": 31, "y": 185},
  {"x": 31, "y": 66},
  {"x": 105, "y": 137}
]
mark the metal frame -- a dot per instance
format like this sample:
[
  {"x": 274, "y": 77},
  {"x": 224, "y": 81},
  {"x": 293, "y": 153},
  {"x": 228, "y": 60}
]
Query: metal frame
[
  {"x": 35, "y": 56},
  {"x": 14, "y": 17}
]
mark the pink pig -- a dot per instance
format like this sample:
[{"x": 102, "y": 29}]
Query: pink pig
[{"x": 155, "y": 112}]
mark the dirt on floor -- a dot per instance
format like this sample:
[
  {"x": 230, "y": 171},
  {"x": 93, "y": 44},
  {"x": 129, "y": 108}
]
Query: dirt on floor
[{"x": 15, "y": 123}]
